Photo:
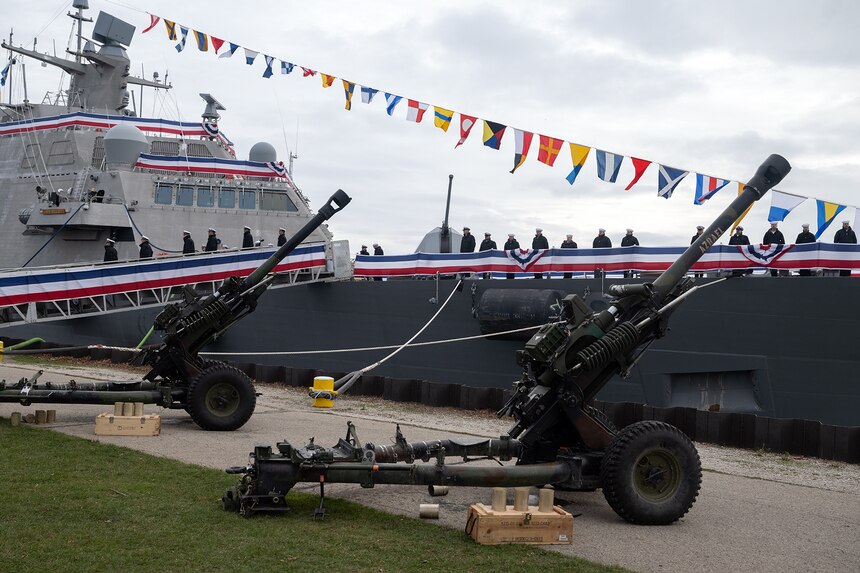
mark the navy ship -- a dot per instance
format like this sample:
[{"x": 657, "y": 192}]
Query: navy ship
[{"x": 84, "y": 168}]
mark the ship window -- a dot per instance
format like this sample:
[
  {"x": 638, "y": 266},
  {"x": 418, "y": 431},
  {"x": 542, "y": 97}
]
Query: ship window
[
  {"x": 205, "y": 197},
  {"x": 247, "y": 199},
  {"x": 185, "y": 196},
  {"x": 31, "y": 153},
  {"x": 163, "y": 194},
  {"x": 198, "y": 150},
  {"x": 227, "y": 198},
  {"x": 271, "y": 201},
  {"x": 164, "y": 147},
  {"x": 61, "y": 153}
]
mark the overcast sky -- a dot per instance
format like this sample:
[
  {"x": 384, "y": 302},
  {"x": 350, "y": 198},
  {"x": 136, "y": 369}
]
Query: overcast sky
[{"x": 711, "y": 87}]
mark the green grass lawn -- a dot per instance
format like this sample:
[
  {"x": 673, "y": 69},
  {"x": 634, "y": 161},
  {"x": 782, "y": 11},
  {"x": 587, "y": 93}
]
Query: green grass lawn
[{"x": 69, "y": 504}]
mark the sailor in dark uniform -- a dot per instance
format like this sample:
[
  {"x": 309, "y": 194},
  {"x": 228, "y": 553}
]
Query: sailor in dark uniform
[
  {"x": 601, "y": 241},
  {"x": 802, "y": 239},
  {"x": 773, "y": 236},
  {"x": 568, "y": 243},
  {"x": 467, "y": 244},
  {"x": 510, "y": 245},
  {"x": 845, "y": 235},
  {"x": 247, "y": 239},
  {"x": 629, "y": 240},
  {"x": 363, "y": 250},
  {"x": 110, "y": 251},
  {"x": 699, "y": 230},
  {"x": 487, "y": 244},
  {"x": 211, "y": 242},
  {"x": 282, "y": 236},
  {"x": 377, "y": 250},
  {"x": 739, "y": 239},
  {"x": 539, "y": 242},
  {"x": 187, "y": 243},
  {"x": 145, "y": 248}
]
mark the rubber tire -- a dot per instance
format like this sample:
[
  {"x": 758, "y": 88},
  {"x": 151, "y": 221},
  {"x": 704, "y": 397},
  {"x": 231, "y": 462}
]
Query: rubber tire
[
  {"x": 205, "y": 414},
  {"x": 618, "y": 478}
]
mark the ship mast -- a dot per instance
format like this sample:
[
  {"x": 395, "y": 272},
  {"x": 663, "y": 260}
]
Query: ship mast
[{"x": 81, "y": 5}]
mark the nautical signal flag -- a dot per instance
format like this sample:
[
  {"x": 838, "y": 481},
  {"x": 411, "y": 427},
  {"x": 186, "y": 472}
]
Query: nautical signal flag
[
  {"x": 202, "y": 41},
  {"x": 442, "y": 117},
  {"x": 228, "y": 53},
  {"x": 250, "y": 56},
  {"x": 153, "y": 20},
  {"x": 549, "y": 148},
  {"x": 327, "y": 80},
  {"x": 578, "y": 154},
  {"x": 467, "y": 122},
  {"x": 608, "y": 165},
  {"x": 286, "y": 68},
  {"x": 181, "y": 45},
  {"x": 367, "y": 94},
  {"x": 348, "y": 89},
  {"x": 493, "y": 133},
  {"x": 391, "y": 102},
  {"x": 639, "y": 166},
  {"x": 667, "y": 179},
  {"x": 781, "y": 204},
  {"x": 216, "y": 43},
  {"x": 267, "y": 73},
  {"x": 415, "y": 110},
  {"x": 307, "y": 72},
  {"x": 707, "y": 187},
  {"x": 522, "y": 141},
  {"x": 826, "y": 213},
  {"x": 171, "y": 30}
]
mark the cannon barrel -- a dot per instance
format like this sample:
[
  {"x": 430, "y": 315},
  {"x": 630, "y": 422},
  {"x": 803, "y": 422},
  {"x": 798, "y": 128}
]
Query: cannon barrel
[
  {"x": 334, "y": 204},
  {"x": 768, "y": 175}
]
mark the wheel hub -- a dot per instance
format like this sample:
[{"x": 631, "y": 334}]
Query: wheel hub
[
  {"x": 222, "y": 399},
  {"x": 657, "y": 474}
]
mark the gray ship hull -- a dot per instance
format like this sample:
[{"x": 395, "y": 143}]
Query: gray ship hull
[{"x": 780, "y": 347}]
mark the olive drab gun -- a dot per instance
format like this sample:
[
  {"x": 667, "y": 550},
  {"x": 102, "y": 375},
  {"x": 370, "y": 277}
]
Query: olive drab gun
[
  {"x": 217, "y": 396},
  {"x": 649, "y": 472}
]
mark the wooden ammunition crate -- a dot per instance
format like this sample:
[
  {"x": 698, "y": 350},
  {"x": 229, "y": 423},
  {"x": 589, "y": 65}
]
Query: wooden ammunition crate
[
  {"x": 490, "y": 527},
  {"x": 110, "y": 425}
]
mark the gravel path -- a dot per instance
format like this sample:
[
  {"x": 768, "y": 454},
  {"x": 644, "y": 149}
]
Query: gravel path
[{"x": 757, "y": 510}]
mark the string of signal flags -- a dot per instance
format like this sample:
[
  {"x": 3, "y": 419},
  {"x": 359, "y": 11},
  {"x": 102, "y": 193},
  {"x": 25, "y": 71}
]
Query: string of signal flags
[{"x": 608, "y": 163}]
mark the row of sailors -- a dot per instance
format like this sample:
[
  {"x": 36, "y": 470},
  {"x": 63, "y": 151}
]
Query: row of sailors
[{"x": 213, "y": 243}]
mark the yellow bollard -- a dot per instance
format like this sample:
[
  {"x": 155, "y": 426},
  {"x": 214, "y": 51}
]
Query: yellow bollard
[{"x": 323, "y": 392}]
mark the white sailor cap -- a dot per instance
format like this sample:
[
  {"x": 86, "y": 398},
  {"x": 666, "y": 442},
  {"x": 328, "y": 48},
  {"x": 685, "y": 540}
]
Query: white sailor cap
[
  {"x": 247, "y": 228},
  {"x": 601, "y": 230},
  {"x": 538, "y": 230},
  {"x": 629, "y": 230},
  {"x": 739, "y": 228},
  {"x": 569, "y": 236},
  {"x": 111, "y": 241},
  {"x": 772, "y": 223},
  {"x": 144, "y": 238},
  {"x": 486, "y": 234},
  {"x": 466, "y": 229},
  {"x": 375, "y": 244},
  {"x": 186, "y": 232},
  {"x": 700, "y": 228},
  {"x": 211, "y": 230},
  {"x": 805, "y": 225},
  {"x": 846, "y": 223},
  {"x": 511, "y": 235},
  {"x": 282, "y": 229}
]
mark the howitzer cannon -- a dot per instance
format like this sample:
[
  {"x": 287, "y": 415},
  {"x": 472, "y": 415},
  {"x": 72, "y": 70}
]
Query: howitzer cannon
[
  {"x": 217, "y": 396},
  {"x": 649, "y": 472}
]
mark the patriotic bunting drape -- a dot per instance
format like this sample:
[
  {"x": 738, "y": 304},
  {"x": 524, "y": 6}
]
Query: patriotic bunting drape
[{"x": 608, "y": 164}]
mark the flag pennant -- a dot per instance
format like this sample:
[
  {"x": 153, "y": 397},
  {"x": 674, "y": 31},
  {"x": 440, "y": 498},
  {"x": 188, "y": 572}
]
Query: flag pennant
[
  {"x": 171, "y": 30},
  {"x": 153, "y": 20},
  {"x": 307, "y": 72},
  {"x": 228, "y": 53},
  {"x": 216, "y": 43},
  {"x": 327, "y": 80},
  {"x": 348, "y": 89},
  {"x": 781, "y": 204},
  {"x": 522, "y": 142},
  {"x": 391, "y": 102},
  {"x": 250, "y": 56},
  {"x": 5, "y": 73},
  {"x": 826, "y": 213},
  {"x": 493, "y": 133},
  {"x": 639, "y": 166},
  {"x": 269, "y": 61},
  {"x": 467, "y": 122},
  {"x": 202, "y": 41},
  {"x": 707, "y": 187},
  {"x": 181, "y": 45},
  {"x": 608, "y": 165},
  {"x": 578, "y": 154},
  {"x": 286, "y": 67},
  {"x": 442, "y": 117},
  {"x": 668, "y": 179},
  {"x": 549, "y": 148},
  {"x": 367, "y": 94},
  {"x": 415, "y": 110}
]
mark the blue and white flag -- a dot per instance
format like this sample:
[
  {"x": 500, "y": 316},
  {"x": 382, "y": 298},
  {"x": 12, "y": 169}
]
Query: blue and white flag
[
  {"x": 250, "y": 56},
  {"x": 668, "y": 179},
  {"x": 367, "y": 94},
  {"x": 181, "y": 45},
  {"x": 5, "y": 72},
  {"x": 781, "y": 205},
  {"x": 608, "y": 165},
  {"x": 391, "y": 102},
  {"x": 286, "y": 67},
  {"x": 707, "y": 187},
  {"x": 269, "y": 61},
  {"x": 228, "y": 53}
]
